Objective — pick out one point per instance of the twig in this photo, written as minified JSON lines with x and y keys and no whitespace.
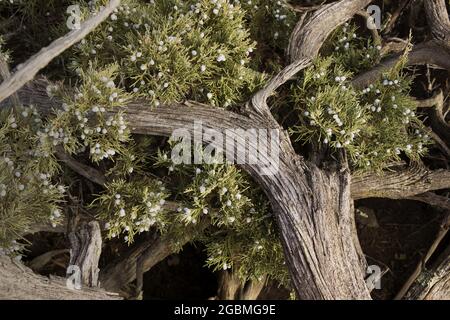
{"x":80,"y":168}
{"x":396,"y":15}
{"x":436,"y":100}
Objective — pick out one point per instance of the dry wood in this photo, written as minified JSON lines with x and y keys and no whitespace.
{"x":433,"y":283}
{"x":80,"y":168}
{"x":165,"y":119}
{"x":431,"y":52}
{"x":86,"y":247}
{"x":399,"y":184}
{"x":38,"y":263}
{"x":438,"y":20}
{"x":424,"y":278}
{"x":232,"y":288}
{"x":18,"y":282}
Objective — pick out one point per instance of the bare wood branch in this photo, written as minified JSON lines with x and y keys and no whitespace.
{"x":80,"y":168}
{"x":304,"y":45}
{"x":397,"y":13}
{"x":399,"y":184}
{"x":163,"y":120}
{"x":38,"y":263}
{"x":86,"y":247}
{"x":300,"y":8}
{"x":232,"y":288}
{"x":440,"y":143}
{"x":436,"y":100}
{"x":374,"y":31}
{"x":432,"y":283}
{"x":32,"y":66}
{"x":438,"y":20}
{"x":20,"y":282}
{"x":123,"y":271}
{"x":430,"y":52}
{"x":432,"y":199}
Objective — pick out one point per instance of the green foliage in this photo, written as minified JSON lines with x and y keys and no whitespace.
{"x":352,"y":52}
{"x":28,"y":191}
{"x":270,"y":22}
{"x":84,"y":121}
{"x":375,"y":125}
{"x":132,"y":207}
{"x":243,"y":234}
{"x":171,"y":50}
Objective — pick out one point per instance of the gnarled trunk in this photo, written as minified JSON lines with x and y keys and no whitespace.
{"x":316,"y":220}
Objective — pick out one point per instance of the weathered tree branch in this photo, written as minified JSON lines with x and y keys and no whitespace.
{"x":38,"y":263}
{"x":165,"y":119}
{"x":431,"y":52}
{"x":80,"y":168}
{"x":231,"y":287}
{"x":433,"y":283}
{"x":438,"y":20}
{"x":399,"y":184}
{"x":421,"y":281}
{"x":434,"y":52}
{"x":86,"y":247}
{"x":32,"y":66}
{"x":433,"y":200}
{"x":21,"y":283}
